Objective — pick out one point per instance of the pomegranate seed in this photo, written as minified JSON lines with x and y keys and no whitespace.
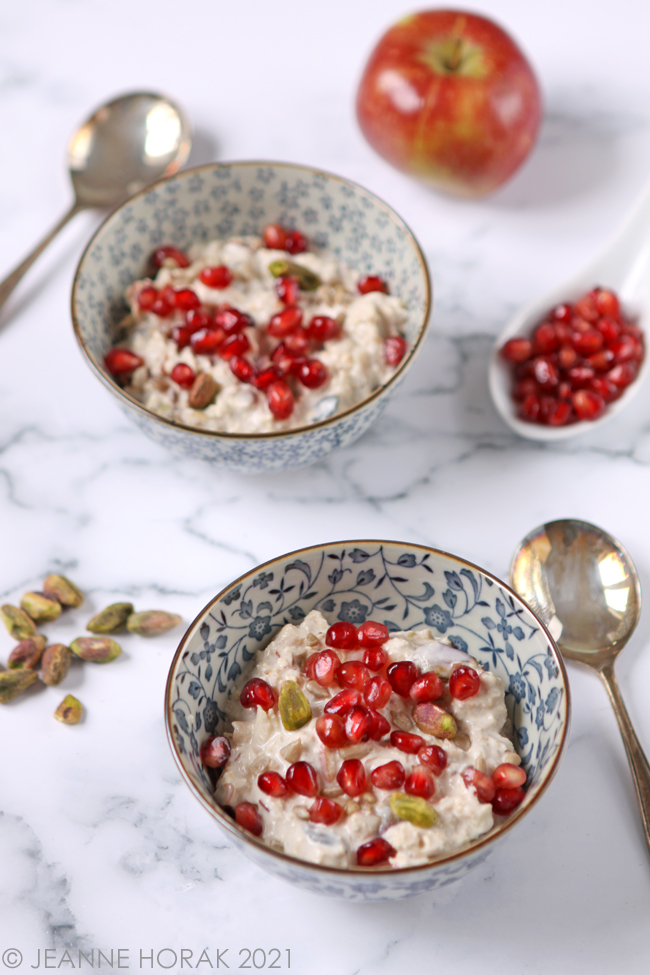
{"x":586,"y":308}
{"x":601,"y":361}
{"x":322,"y":329}
{"x":297,"y":342}
{"x":508,"y":776}
{"x":146,"y":298}
{"x":623,"y":374}
{"x":464,"y":682}
{"x":169,"y":295}
{"x":302,"y":778}
{"x":196,"y":320}
{"x":264,"y":379}
{"x":420,"y":783}
{"x":206,"y":341}
{"x":604,"y":388}
{"x":627,"y":348}
{"x":287,"y":289}
{"x":215,"y":751}
{"x":374,"y":852}
{"x":635,"y":332}
{"x":325,"y":811}
{"x":295,"y":243}
{"x":371,"y":634}
{"x":567,"y":357}
{"x":562,"y":313}
{"x":216,"y":277}
{"x":371,"y":282}
{"x":526,"y":387}
{"x":170,"y":256}
{"x":428,"y":687}
{"x":325,"y":667}
{"x":394,"y":349}
{"x":162,"y":307}
{"x":275,"y":236}
{"x":564,"y":390}
{"x":233,"y":345}
{"x":330,"y":728}
{"x":379,"y":727}
{"x":273,"y":784}
{"x":377,"y":692}
{"x":561,"y":414}
{"x":257,"y":693}
{"x":480,"y":782}
{"x":434,"y":758}
{"x":530,"y":408}
{"x":581,"y":325}
{"x":342,"y":636}
{"x":587,"y":343}
{"x":402,"y":676}
{"x":181,"y":336}
{"x":388,"y":777}
{"x":375,"y":658}
{"x":285,"y":321}
{"x":609,"y":330}
{"x":564,"y":332}
{"x":280,"y":399}
{"x":406,"y":742}
{"x":353,"y":674}
{"x":120,"y":362}
{"x":352,"y":777}
{"x":343,"y":702}
{"x":546,"y":338}
{"x":248,"y":818}
{"x":241,"y":368}
{"x":231,"y":320}
{"x":505,"y":800}
{"x":183,"y":375}
{"x":313,"y":373}
{"x":287,"y":363}
{"x":580,"y":376}
{"x":588,"y":405}
{"x":358,"y":724}
{"x":517,"y":350}
{"x":606,"y":303}
{"x":545,"y":372}
{"x":186,"y":299}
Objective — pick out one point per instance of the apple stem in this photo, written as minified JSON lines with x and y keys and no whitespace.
{"x":456,"y":54}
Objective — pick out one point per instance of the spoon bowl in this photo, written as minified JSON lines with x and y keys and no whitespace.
{"x":583,"y":585}
{"x":624,"y":267}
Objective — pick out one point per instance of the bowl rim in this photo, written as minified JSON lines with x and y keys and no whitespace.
{"x":227,"y":823}
{"x":117,"y":391}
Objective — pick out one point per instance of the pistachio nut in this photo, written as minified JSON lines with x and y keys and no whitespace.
{"x":69,"y":710}
{"x":152,"y":622}
{"x":40,"y":607}
{"x":27,"y":653}
{"x":434,"y":720}
{"x":111,"y":619}
{"x":15,"y":682}
{"x":58,"y":587}
{"x":414,"y":809}
{"x":55,"y":664}
{"x":307,"y":280}
{"x":293,"y":706}
{"x":203,"y":391}
{"x":18,"y":623}
{"x":97,"y":649}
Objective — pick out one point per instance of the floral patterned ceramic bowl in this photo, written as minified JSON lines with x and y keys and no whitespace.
{"x":220,"y":200}
{"x":404,"y":586}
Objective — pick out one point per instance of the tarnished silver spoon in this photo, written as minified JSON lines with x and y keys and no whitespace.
{"x":583,"y":585}
{"x":125,"y":145}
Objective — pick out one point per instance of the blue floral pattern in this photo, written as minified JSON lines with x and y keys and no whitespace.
{"x":403,"y":586}
{"x":220,"y":200}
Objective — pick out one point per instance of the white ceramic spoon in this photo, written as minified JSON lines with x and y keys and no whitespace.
{"x":624,"y":266}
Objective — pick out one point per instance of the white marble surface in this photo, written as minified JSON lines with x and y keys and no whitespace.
{"x":101,"y":844}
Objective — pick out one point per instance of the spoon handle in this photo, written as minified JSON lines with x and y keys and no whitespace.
{"x":635,"y":754}
{"x":12,"y":279}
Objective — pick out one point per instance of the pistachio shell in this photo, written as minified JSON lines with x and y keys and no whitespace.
{"x":15,"y":682}
{"x":58,"y":587}
{"x":307,"y":280}
{"x":55,"y":664}
{"x":203,"y":391}
{"x":293,"y":706}
{"x":18,"y":623}
{"x":152,"y":622}
{"x":40,"y":607}
{"x":414,"y":809}
{"x":69,"y":710}
{"x":111,"y":619}
{"x":97,"y":649}
{"x":27,"y":653}
{"x":434,"y":720}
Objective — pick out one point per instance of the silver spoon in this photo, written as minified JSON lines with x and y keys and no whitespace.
{"x":583,"y":585}
{"x":125,"y":145}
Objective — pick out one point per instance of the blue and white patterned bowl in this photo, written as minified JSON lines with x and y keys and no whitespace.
{"x":404,"y":586}
{"x":240,"y":198}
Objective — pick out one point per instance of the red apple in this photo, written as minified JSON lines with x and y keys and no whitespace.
{"x":448,"y":97}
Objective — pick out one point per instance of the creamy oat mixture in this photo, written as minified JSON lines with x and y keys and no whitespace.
{"x":261,"y":743}
{"x":356,"y":362}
